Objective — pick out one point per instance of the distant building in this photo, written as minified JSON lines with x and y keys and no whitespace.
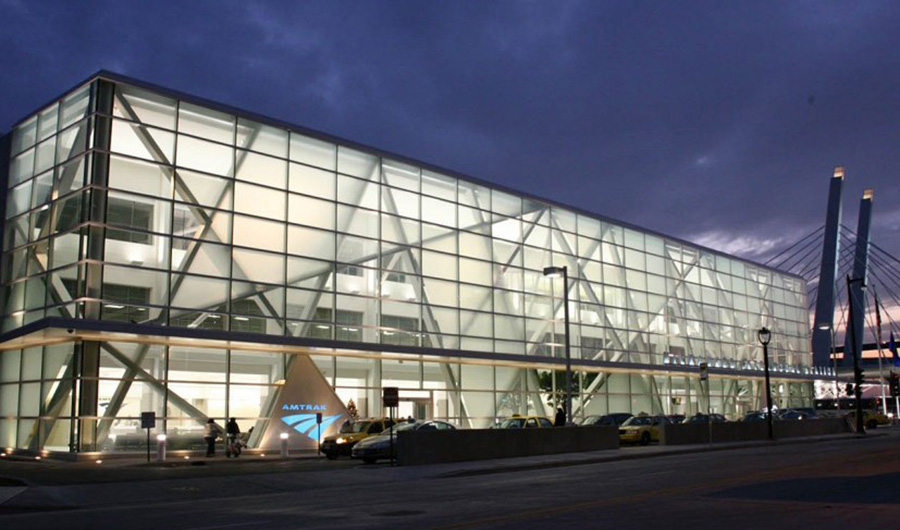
{"x":166,"y":254}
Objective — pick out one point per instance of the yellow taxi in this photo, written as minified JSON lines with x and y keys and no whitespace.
{"x":524,"y":422}
{"x":871,"y":418}
{"x":342,"y":443}
{"x":641,"y":429}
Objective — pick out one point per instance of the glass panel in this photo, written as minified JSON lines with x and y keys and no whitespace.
{"x":261,"y":169}
{"x":25,"y":135}
{"x":474,"y":195}
{"x":357,"y":221}
{"x":134,"y":287}
{"x":262,"y":138}
{"x":21,"y":168}
{"x":29,"y":400}
{"x":74,"y":107}
{"x":257,"y":233}
{"x":128,"y":247}
{"x":438,"y":185}
{"x":198,"y":292}
{"x":145,"y":107}
{"x":42,"y":190}
{"x":258,"y":266}
{"x":313,"y":152}
{"x":139,"y":177}
{"x":204,"y":190}
{"x":46,"y":153}
{"x":438,"y":212}
{"x":66,"y":213}
{"x":142,"y":142}
{"x":357,"y":163}
{"x":9,"y":366}
{"x":19,"y":199}
{"x":358,"y":192}
{"x":310,"y":242}
{"x":311,"y":212}
{"x":309,"y":273}
{"x":200,"y":223}
{"x":72,"y":141}
{"x":70,"y":176}
{"x":15,"y":232}
{"x":206,"y":123}
{"x":257,"y":300}
{"x":439,"y":265}
{"x":260,"y":201}
{"x":400,"y":202}
{"x":57,"y":359}
{"x":312,"y":181}
{"x":205,"y":156}
{"x":400,"y":175}
{"x":200,"y":257}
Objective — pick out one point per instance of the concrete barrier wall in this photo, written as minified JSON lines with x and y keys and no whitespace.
{"x":690,"y":433}
{"x":434,"y":447}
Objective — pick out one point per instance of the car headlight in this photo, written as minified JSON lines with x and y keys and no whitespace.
{"x":341,"y":440}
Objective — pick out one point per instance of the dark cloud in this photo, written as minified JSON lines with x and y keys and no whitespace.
{"x":718,"y":122}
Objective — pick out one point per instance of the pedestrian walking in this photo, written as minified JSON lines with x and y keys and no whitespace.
{"x":560,"y":420}
{"x":233,"y":433}
{"x":211,"y":432}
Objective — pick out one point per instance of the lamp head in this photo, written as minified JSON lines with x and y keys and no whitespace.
{"x":554,"y":272}
{"x":764,"y":336}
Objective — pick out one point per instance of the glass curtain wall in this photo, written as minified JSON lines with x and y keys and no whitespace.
{"x":216,"y":221}
{"x":184,"y":386}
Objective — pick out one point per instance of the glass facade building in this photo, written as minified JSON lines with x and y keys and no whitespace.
{"x":166,"y":254}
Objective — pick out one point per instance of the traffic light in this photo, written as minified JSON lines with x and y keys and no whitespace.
{"x":861,"y":378}
{"x":849,"y":389}
{"x":895,"y":385}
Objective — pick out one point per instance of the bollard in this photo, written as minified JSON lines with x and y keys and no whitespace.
{"x":284,"y":444}
{"x":160,"y":447}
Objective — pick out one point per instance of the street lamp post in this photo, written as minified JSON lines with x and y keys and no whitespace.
{"x":556,"y":272}
{"x":765,"y":336}
{"x":857,"y":374}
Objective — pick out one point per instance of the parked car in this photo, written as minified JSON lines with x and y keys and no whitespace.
{"x":642,"y":429}
{"x":613,"y":419}
{"x":755,"y":416}
{"x":705,"y":418}
{"x":797,"y":414}
{"x":342,"y":443}
{"x":871,"y":419}
{"x":675,"y":418}
{"x":525,"y":422}
{"x":378,"y":447}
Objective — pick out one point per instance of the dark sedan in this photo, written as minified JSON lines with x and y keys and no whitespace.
{"x":378,"y":447}
{"x":705,"y":418}
{"x":614,"y":419}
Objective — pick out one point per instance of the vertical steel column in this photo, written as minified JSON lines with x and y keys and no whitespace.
{"x":95,"y":211}
{"x":5,"y":153}
{"x":856,"y":290}
{"x":824,"y":320}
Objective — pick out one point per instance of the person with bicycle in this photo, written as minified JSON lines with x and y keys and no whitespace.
{"x":233,"y":432}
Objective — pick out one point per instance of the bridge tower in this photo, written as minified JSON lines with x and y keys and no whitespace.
{"x":824,"y":319}
{"x":860,"y":271}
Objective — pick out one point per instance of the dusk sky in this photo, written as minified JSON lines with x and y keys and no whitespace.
{"x":717,"y":122}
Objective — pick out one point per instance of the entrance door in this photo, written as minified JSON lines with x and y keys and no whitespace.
{"x":417,"y":408}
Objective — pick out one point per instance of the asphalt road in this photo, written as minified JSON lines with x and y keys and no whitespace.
{"x":831,"y":484}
